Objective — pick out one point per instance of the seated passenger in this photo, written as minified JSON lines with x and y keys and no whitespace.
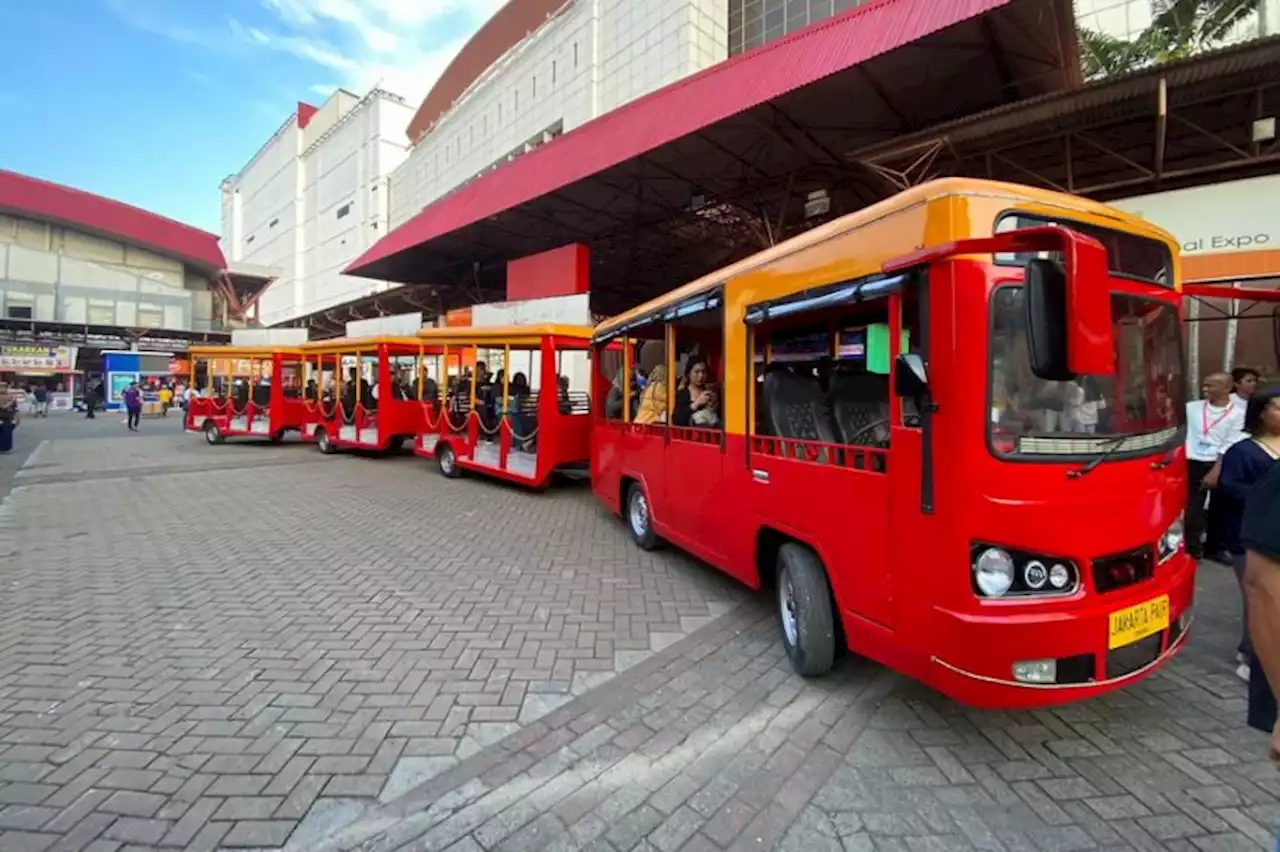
{"x":653,"y":401}
{"x":562,"y":396}
{"x":521,"y":424}
{"x":697,"y":403}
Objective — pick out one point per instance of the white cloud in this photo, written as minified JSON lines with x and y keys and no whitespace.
{"x":401,"y":45}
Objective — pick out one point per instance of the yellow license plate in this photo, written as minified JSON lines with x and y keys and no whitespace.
{"x":1138,"y":622}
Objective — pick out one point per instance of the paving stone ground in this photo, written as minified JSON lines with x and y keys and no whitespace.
{"x":353,"y":653}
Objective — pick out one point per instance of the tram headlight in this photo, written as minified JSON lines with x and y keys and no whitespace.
{"x":1035,"y":575}
{"x":1171,"y":540}
{"x":993,"y":572}
{"x":1059,"y":576}
{"x":1009,"y":572}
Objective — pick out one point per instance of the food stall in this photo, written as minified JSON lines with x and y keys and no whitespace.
{"x":23,"y":365}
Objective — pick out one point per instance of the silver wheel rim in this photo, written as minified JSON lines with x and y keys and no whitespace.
{"x":211,"y":434}
{"x":446,"y":460}
{"x":787,"y":607}
{"x":324,"y":442}
{"x":639,"y":513}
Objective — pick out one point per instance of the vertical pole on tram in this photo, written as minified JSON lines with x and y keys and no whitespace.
{"x":669,"y":359}
{"x":473,"y":417}
{"x":626,"y":379}
{"x":506,"y":435}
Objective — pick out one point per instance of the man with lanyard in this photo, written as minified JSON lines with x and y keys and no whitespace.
{"x":1213,"y":425}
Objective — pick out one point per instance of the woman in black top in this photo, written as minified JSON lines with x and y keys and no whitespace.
{"x":696,"y":403}
{"x":1243,"y":466}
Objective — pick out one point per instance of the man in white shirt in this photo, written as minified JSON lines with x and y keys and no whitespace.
{"x":1214,"y":424}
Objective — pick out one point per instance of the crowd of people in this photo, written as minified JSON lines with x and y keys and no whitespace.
{"x":1233,"y":516}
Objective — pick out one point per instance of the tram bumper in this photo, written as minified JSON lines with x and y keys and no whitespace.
{"x":1053,"y":652}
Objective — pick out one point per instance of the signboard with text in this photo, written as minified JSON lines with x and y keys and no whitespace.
{"x":17,"y":358}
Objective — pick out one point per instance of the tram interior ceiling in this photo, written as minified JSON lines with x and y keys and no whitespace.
{"x":673,"y":207}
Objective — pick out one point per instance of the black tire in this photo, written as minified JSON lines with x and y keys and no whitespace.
{"x":447,"y":461}
{"x":639,"y":517}
{"x":805,"y":619}
{"x":396,"y":444}
{"x":211,"y":434}
{"x":322,"y":441}
{"x":277,"y":436}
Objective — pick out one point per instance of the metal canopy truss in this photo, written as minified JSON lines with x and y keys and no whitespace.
{"x":725,"y":190}
{"x":1181,"y":124}
{"x":1242,"y":302}
{"x":240,"y":292}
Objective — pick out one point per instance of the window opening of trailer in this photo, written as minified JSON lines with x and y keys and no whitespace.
{"x":696,"y":369}
{"x":426,"y":384}
{"x":820,"y":383}
{"x":1128,"y":255}
{"x":291,"y":372}
{"x":573,"y":379}
{"x":638,"y":384}
{"x":518,"y":404}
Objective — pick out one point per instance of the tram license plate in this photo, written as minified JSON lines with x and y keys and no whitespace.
{"x":1138,"y":622}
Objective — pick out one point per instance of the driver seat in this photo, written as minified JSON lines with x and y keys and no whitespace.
{"x":860,"y":404}
{"x":796,"y":408}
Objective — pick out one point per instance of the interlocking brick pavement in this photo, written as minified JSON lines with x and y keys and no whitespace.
{"x":355,"y":654}
{"x":229,"y":646}
{"x":716,"y":745}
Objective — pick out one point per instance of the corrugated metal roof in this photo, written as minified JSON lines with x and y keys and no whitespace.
{"x":45,"y":201}
{"x":680,"y":109}
{"x":1108,"y":96}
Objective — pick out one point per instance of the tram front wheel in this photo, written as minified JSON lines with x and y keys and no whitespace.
{"x":326,"y":446}
{"x":211,"y":433}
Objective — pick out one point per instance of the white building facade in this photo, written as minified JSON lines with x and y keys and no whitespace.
{"x":581,"y":60}
{"x":587,"y":59}
{"x":313,"y":198}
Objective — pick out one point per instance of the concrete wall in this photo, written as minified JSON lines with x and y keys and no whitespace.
{"x":314,"y":198}
{"x":269,"y":337}
{"x":66,"y":275}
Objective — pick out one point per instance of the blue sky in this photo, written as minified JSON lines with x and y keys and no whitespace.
{"x":154,"y":102}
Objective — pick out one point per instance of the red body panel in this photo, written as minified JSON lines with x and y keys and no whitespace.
{"x":900,"y":574}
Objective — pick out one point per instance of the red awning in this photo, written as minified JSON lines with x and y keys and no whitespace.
{"x":726,"y":90}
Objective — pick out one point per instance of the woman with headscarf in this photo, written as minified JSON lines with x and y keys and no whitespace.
{"x":653,"y":402}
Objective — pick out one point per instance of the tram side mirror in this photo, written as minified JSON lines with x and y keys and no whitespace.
{"x":911,"y":377}
{"x":1046,"y":305}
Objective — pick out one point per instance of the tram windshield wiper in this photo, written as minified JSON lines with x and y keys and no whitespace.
{"x":1167,"y":459}
{"x":1108,"y":449}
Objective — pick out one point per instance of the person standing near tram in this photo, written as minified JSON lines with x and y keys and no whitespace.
{"x":1214,"y":424}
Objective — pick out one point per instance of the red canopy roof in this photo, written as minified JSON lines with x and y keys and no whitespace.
{"x":692,"y":105}
{"x":52,"y":202}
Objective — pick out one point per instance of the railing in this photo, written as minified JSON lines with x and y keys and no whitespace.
{"x":845,"y":456}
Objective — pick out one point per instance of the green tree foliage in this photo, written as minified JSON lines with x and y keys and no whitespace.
{"x":1179,"y":28}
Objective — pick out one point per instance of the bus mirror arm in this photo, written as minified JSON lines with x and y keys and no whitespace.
{"x":1081,"y":315}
